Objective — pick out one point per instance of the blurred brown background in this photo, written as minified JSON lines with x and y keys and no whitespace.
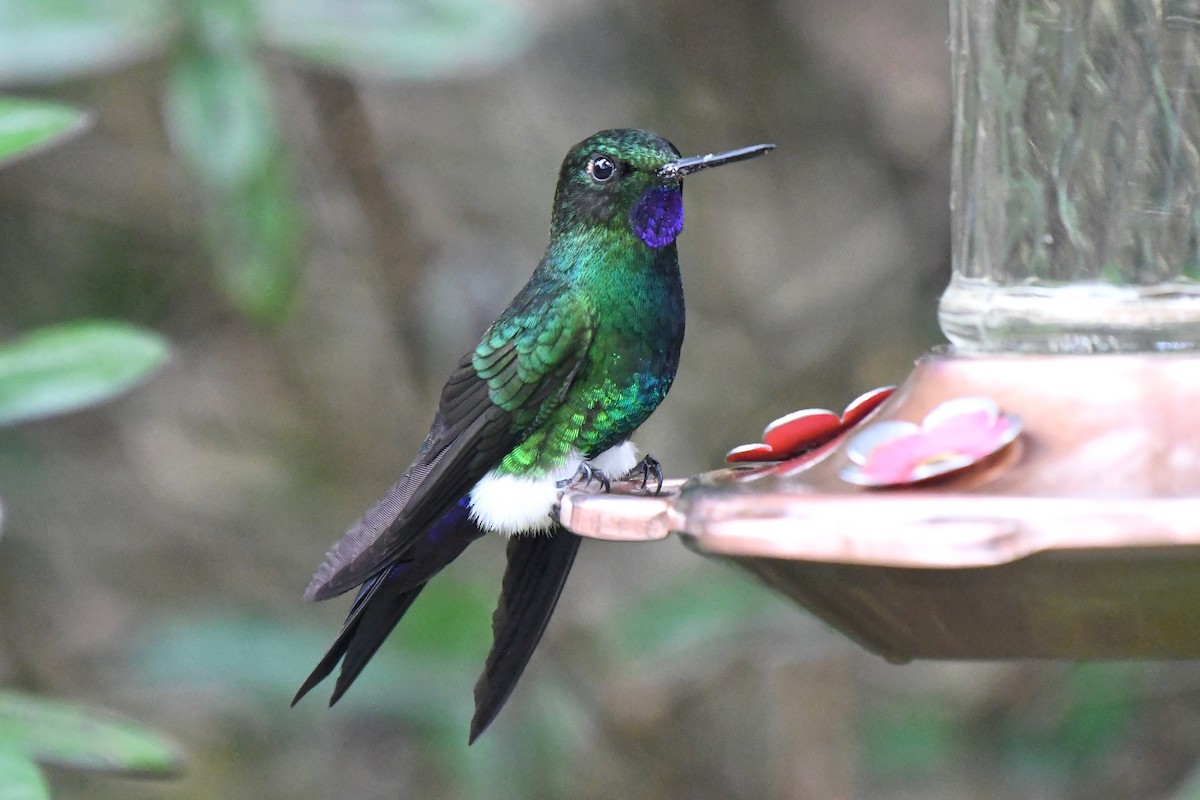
{"x":156,"y":549}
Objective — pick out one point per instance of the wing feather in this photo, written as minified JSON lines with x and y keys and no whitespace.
{"x":499,"y":393}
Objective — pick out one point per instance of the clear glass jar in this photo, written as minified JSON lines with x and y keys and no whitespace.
{"x":1076,"y":185}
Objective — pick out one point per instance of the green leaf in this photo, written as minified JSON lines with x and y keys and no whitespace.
{"x":219,"y":117}
{"x":401,"y":38}
{"x":20,"y":778}
{"x":51,"y":40}
{"x":255,"y":237}
{"x":55,"y":732}
{"x":67,"y":367}
{"x":27,"y":126}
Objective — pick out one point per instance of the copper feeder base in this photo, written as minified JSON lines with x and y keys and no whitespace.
{"x":1081,"y":540}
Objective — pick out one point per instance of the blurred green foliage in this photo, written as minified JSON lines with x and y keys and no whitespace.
{"x":218,"y":102}
{"x":71,"y":735}
{"x":265,"y":662}
{"x":414,"y":40}
{"x":47,"y":372}
{"x":685,"y":614}
{"x":420,"y":680}
{"x":45,"y":41}
{"x":52,"y":371}
{"x":27,"y":126}
{"x":20,"y":778}
{"x":58,"y":369}
{"x":218,"y":112}
{"x":1064,"y":729}
{"x":1080,"y":727}
{"x":911,"y":741}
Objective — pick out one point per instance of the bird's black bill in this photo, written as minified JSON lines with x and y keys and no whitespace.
{"x":686,"y":166}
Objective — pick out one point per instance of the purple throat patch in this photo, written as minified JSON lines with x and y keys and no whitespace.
{"x":658,"y":216}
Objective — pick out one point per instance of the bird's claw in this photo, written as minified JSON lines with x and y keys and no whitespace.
{"x":645,"y":468}
{"x":585,"y":475}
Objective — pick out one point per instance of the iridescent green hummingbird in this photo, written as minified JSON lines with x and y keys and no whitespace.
{"x":550,"y":396}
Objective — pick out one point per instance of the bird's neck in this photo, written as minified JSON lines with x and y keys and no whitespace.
{"x":614,"y":264}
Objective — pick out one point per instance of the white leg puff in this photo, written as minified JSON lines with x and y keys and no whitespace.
{"x":511,"y":504}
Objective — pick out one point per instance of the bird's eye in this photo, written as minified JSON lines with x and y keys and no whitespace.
{"x":601,"y":168}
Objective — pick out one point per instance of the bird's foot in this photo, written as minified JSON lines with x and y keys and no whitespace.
{"x":584,"y":477}
{"x":645,"y":468}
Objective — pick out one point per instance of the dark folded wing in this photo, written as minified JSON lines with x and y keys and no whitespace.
{"x":383,"y":600}
{"x":499,"y":393}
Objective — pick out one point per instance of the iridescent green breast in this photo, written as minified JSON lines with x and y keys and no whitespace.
{"x":635,"y":300}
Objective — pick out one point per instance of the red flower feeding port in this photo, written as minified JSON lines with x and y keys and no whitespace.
{"x":803,"y":433}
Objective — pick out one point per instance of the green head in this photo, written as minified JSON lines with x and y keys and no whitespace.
{"x":629,"y":182}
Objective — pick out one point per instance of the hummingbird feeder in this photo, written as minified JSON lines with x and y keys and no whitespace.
{"x":1032,"y":490}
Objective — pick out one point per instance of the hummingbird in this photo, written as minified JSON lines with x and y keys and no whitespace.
{"x":548,"y":398}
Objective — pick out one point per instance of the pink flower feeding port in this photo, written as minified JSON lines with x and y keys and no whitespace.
{"x":956,"y":435}
{"x":1032,"y":491}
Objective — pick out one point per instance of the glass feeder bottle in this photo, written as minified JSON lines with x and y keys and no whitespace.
{"x":1076,"y":176}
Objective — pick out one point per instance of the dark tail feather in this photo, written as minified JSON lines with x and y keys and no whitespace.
{"x":377,"y":621}
{"x":537,"y":569}
{"x":384,"y":599}
{"x":350,"y":628}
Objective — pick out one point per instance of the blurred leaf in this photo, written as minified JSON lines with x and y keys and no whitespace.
{"x":50,"y":40}
{"x":219,"y":117}
{"x":67,"y":367}
{"x":1091,"y":714}
{"x":257,"y":663}
{"x":690,"y":611}
{"x":423,"y":673}
{"x":27,"y":126}
{"x":237,"y":653}
{"x":254,"y":237}
{"x":20,"y":778}
{"x":1188,"y":789}
{"x":913,"y":741}
{"x":70,"y":735}
{"x":1101,"y":711}
{"x":221,"y":24}
{"x":397,"y":38}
